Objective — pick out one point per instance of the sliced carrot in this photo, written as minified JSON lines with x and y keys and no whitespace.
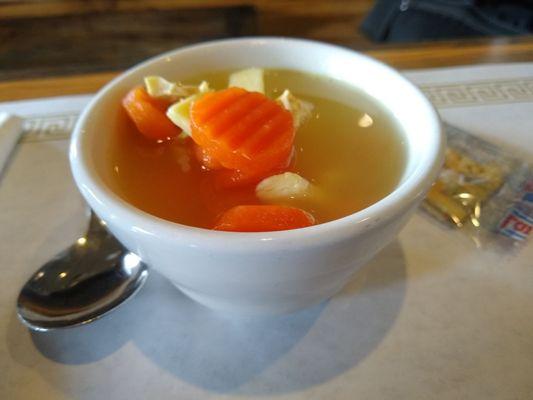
{"x":148,"y":114}
{"x":205,"y":159}
{"x":243,"y":130}
{"x":263,"y":218}
{"x":230,"y":178}
{"x":225,"y":178}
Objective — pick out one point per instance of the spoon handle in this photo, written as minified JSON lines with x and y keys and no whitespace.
{"x":10,"y":130}
{"x":96,"y":225}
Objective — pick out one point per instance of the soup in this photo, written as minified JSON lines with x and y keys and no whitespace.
{"x":349,"y":153}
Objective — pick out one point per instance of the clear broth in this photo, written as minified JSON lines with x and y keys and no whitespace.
{"x":351,"y":149}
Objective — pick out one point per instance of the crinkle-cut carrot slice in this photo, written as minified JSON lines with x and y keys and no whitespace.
{"x":225,"y":178}
{"x":148,"y":114}
{"x":242,"y":130}
{"x":205,"y":159}
{"x":231,"y":178}
{"x":263,"y":218}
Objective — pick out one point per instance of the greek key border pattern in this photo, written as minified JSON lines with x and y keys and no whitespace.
{"x":480,"y":93}
{"x":48,"y":127}
{"x":59,"y":126}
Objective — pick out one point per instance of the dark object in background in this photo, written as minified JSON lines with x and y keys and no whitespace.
{"x":416,"y":20}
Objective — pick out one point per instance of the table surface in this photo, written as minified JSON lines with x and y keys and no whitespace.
{"x":431,"y":317}
{"x":412,"y":56}
{"x":454,"y":321}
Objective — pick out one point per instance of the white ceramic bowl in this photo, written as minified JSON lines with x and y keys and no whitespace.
{"x":271,"y":271}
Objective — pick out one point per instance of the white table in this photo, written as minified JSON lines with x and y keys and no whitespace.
{"x":432,"y":317}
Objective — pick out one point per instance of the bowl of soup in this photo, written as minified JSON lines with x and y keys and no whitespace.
{"x":258,"y":174}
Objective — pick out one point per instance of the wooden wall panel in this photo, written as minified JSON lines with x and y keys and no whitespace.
{"x":47,"y":38}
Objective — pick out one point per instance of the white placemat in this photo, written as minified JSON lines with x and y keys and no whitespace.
{"x":431,"y":317}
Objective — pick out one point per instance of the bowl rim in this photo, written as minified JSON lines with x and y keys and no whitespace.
{"x":111,"y":206}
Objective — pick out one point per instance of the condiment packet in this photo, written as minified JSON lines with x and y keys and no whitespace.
{"x":484,"y":190}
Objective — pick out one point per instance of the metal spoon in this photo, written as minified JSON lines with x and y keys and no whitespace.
{"x":82,"y":283}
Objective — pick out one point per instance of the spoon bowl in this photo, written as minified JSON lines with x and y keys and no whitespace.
{"x":82,"y":283}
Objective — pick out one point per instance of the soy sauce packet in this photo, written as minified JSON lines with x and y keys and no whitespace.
{"x":484,"y":190}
